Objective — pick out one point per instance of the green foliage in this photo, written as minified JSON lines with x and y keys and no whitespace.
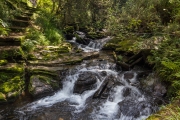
{"x":3,"y":28}
{"x":54,"y":36}
{"x":169,"y":112}
{"x":49,"y":33}
{"x":27,"y":45}
{"x":135,"y":16}
{"x":167,"y":64}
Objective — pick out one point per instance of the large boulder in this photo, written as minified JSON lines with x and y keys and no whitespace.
{"x":86,"y":81}
{"x":40,"y":86}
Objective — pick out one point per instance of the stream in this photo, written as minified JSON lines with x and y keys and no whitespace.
{"x":94,"y":90}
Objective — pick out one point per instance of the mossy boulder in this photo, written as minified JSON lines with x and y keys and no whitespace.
{"x":43,"y":81}
{"x":42,"y":85}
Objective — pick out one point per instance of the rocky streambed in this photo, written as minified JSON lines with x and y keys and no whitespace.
{"x":94,"y":88}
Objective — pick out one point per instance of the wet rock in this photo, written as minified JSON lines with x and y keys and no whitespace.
{"x":143,"y":74}
{"x":126,"y":92}
{"x":86,"y":81}
{"x":103,"y":91}
{"x":134,"y":108}
{"x":159,"y":92}
{"x":103,"y":73}
{"x":124,"y":66}
{"x":81,"y":38}
{"x":127,"y":108}
{"x":39,"y":88}
{"x":128,"y":75}
{"x":91,"y":56}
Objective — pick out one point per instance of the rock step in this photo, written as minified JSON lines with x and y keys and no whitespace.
{"x":16,"y":34}
{"x":10,"y":41}
{"x":19,"y":23}
{"x":9,"y":66}
{"x":67,"y":59}
{"x":27,"y":14}
{"x":31,"y":9}
{"x":11,"y":53}
{"x":7,"y":48}
{"x":24,"y":18}
{"x":17,"y":29}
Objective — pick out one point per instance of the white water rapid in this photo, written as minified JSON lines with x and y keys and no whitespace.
{"x":107,"y":109}
{"x":94,"y":45}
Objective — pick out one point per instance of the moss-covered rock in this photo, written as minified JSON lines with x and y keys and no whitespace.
{"x":2,"y":97}
{"x":42,"y":85}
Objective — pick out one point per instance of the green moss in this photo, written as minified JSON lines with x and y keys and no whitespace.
{"x":125,"y":45}
{"x":16,"y":69}
{"x":113,"y":43}
{"x":13,"y":68}
{"x":11,"y":96}
{"x":10,"y":71}
{"x":48,"y":80}
{"x":95,"y":35}
{"x":12,"y":53}
{"x":2,"y":97}
{"x":43,"y":72}
{"x":14,"y":84}
{"x":169,"y":112}
{"x":3,"y":62}
{"x":72,"y":62}
{"x":5,"y":76}
{"x":68,"y":29}
{"x":44,"y":79}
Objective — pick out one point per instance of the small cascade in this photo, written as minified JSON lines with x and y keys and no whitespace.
{"x":124,"y":101}
{"x":94,"y":45}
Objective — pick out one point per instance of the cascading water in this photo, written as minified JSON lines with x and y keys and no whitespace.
{"x":94,"y":45}
{"x":94,"y":90}
{"x":124,"y":101}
